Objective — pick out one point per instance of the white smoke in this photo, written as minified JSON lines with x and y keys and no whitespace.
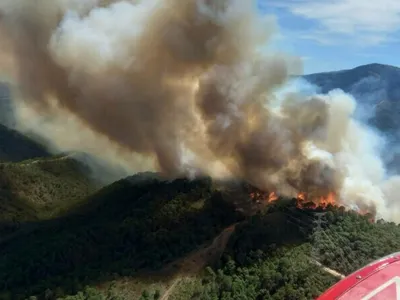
{"x":354,"y":150}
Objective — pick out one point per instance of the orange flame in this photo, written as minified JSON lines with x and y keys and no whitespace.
{"x":301,"y":196}
{"x":329,"y":199}
{"x":306,"y":201}
{"x":323,"y":202}
{"x":303,"y":200}
{"x":264,"y":197}
{"x":272,"y":197}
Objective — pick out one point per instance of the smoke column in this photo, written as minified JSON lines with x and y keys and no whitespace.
{"x":186,"y":88}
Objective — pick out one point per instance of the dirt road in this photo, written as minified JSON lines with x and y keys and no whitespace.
{"x":328,"y":270}
{"x":196,"y":261}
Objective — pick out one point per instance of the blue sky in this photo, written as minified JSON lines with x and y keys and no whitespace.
{"x":337,"y":34}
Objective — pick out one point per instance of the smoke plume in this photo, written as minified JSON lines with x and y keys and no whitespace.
{"x":186,"y":88}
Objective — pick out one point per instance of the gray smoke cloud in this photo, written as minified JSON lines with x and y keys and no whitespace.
{"x":186,"y":88}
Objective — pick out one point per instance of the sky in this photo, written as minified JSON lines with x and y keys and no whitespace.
{"x":337,"y":34}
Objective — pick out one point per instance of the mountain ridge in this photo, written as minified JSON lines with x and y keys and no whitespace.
{"x":361,"y":80}
{"x":369,"y":65}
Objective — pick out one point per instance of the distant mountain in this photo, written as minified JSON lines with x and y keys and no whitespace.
{"x":376,"y":87}
{"x":366,"y":79}
{"x":14,"y":146}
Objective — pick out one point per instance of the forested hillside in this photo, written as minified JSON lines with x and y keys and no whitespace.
{"x":144,"y":238}
{"x":40,"y":189}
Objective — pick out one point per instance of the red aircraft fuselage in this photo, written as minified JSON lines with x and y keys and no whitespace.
{"x":379,"y":280}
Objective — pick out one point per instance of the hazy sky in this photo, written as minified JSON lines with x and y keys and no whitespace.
{"x":337,"y":34}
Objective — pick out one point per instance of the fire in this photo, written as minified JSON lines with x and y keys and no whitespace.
{"x":301,"y":196}
{"x":305,"y":201}
{"x":322,"y":202}
{"x":264,"y":197}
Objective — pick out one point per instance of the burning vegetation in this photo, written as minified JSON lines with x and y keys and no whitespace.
{"x":303,"y":200}
{"x":306,"y":201}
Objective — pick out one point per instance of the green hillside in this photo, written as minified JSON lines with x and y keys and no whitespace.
{"x":263,"y":261}
{"x":39,"y":189}
{"x":144,"y":238}
{"x":130,"y":227}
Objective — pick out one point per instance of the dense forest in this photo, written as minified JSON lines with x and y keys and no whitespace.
{"x":139,"y":237}
{"x":125,"y":228}
{"x":266,"y":261}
